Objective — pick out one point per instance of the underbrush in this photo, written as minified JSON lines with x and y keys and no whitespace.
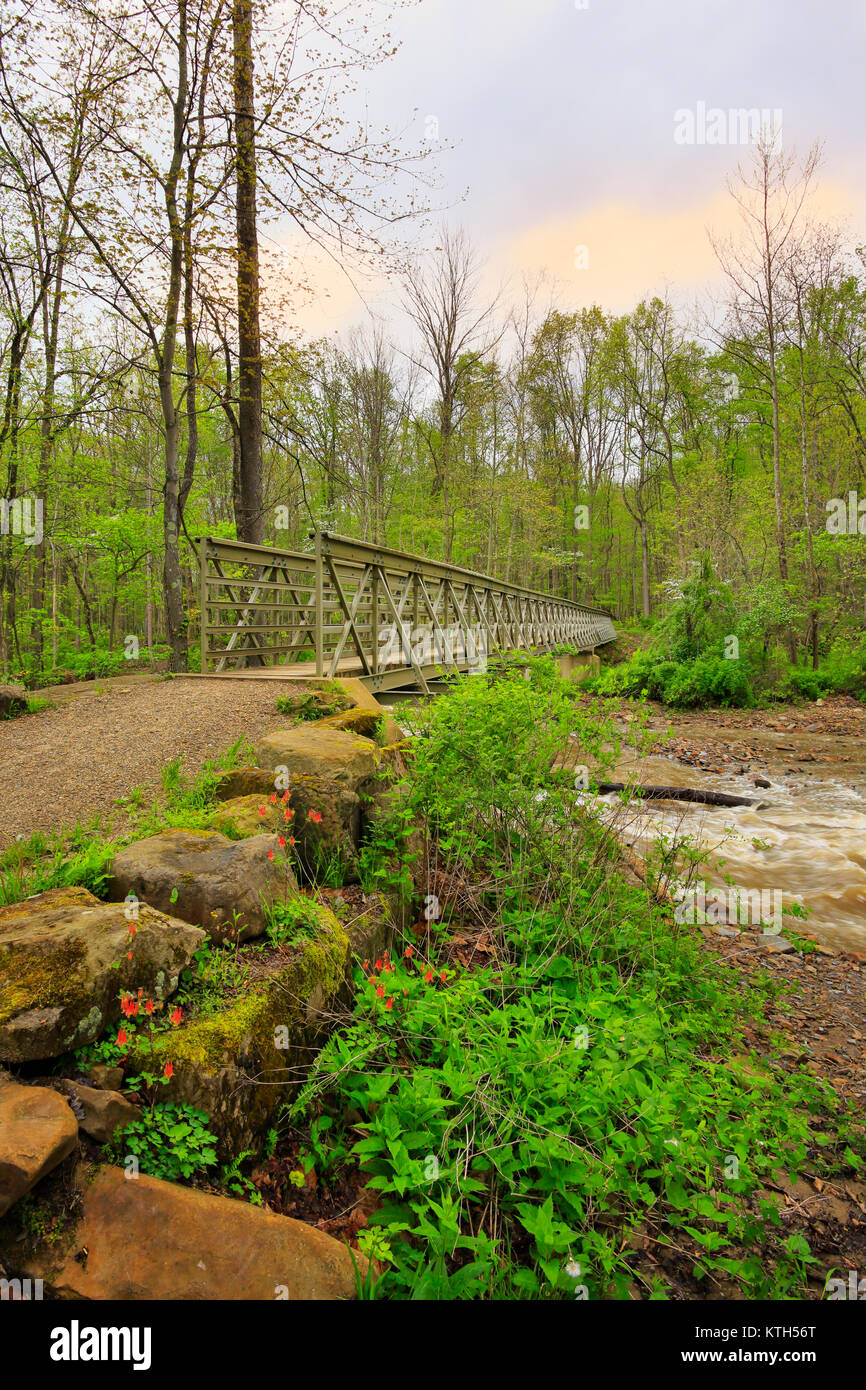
{"x":529,"y":1123}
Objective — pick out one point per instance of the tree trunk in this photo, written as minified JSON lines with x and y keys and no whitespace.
{"x":250,"y":518}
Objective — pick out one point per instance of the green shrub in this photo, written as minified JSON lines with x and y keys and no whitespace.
{"x":170,"y":1141}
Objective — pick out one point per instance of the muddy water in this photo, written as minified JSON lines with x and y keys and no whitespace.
{"x":808,"y":840}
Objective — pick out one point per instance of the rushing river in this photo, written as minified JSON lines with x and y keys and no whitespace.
{"x":808,"y":840}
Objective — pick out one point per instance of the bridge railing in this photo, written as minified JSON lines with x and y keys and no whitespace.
{"x":396,"y":618}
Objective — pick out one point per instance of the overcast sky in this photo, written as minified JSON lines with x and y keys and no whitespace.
{"x":563,"y":119}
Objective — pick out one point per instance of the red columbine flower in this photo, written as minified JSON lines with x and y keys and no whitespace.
{"x":141,"y":992}
{"x":175,"y":1018}
{"x":129,"y":955}
{"x":366,"y":966}
{"x":381,"y":992}
{"x":168,"y":1070}
{"x":148,"y":1008}
{"x":288,"y":813}
{"x":285,"y":796}
{"x":121,"y":1038}
{"x":263,"y":810}
{"x":291,"y":839}
{"x":378,"y":965}
{"x":429,"y":976}
{"x":389,"y":1004}
{"x":132,"y":929}
{"x":125,"y":1004}
{"x":273,"y":798}
{"x":408,"y":953}
{"x":315,"y":816}
{"x":270,"y":854}
{"x":281,"y":842}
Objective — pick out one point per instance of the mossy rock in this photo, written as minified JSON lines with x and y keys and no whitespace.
{"x":242,"y":816}
{"x":240,"y":1063}
{"x":65,"y":958}
{"x":354,"y":721}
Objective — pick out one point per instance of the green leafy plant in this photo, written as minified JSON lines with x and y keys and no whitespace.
{"x":172,"y":1141}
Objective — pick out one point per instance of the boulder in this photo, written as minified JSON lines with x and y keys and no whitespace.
{"x":65,"y":960}
{"x":317,"y":751}
{"x":324,"y":820}
{"x":326,"y":825}
{"x":106,"y":1078}
{"x":221,"y":885}
{"x":148,"y":1240}
{"x":354,"y":721}
{"x":245,"y":781}
{"x":99,"y":1113}
{"x":37,"y":1131}
{"x":239,"y":1063}
{"x":13,"y":700}
{"x":241,"y":816}
{"x":362,"y":698}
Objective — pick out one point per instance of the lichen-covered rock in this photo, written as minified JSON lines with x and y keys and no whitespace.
{"x":13,"y":700}
{"x":317,"y":751}
{"x":37,"y":1131}
{"x":239,"y":1063}
{"x":221,"y":885}
{"x":99,"y":1113}
{"x":65,"y":959}
{"x":151,"y":1240}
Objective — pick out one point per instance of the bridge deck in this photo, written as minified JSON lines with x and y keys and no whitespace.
{"x":351,"y":608}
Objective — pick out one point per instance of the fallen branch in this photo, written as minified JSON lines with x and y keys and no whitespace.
{"x":704,"y":798}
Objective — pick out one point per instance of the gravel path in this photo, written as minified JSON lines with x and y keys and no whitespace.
{"x":66,"y":765}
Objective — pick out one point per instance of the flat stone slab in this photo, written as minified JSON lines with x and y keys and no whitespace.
{"x":37,"y":1131}
{"x":147,"y":1239}
{"x":220,"y":885}
{"x":65,"y":959}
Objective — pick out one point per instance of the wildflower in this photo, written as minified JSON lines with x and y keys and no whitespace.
{"x":442,"y":977}
{"x":288,"y":813}
{"x":282,"y":842}
{"x":408,"y":953}
{"x":315,"y":817}
{"x":366,"y":966}
{"x":129,"y":955}
{"x":168,"y":1070}
{"x":405,"y":991}
{"x":389,"y":1004}
{"x":148,"y":1008}
{"x":381,"y":992}
{"x":291,"y":839}
{"x":273,"y":798}
{"x":132,"y":929}
{"x":121,"y":1038}
{"x":263,"y":810}
{"x":378,"y":965}
{"x":175,"y":1018}
{"x":270,"y":854}
{"x":141,"y":992}
{"x":429,"y":976}
{"x":284,"y":798}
